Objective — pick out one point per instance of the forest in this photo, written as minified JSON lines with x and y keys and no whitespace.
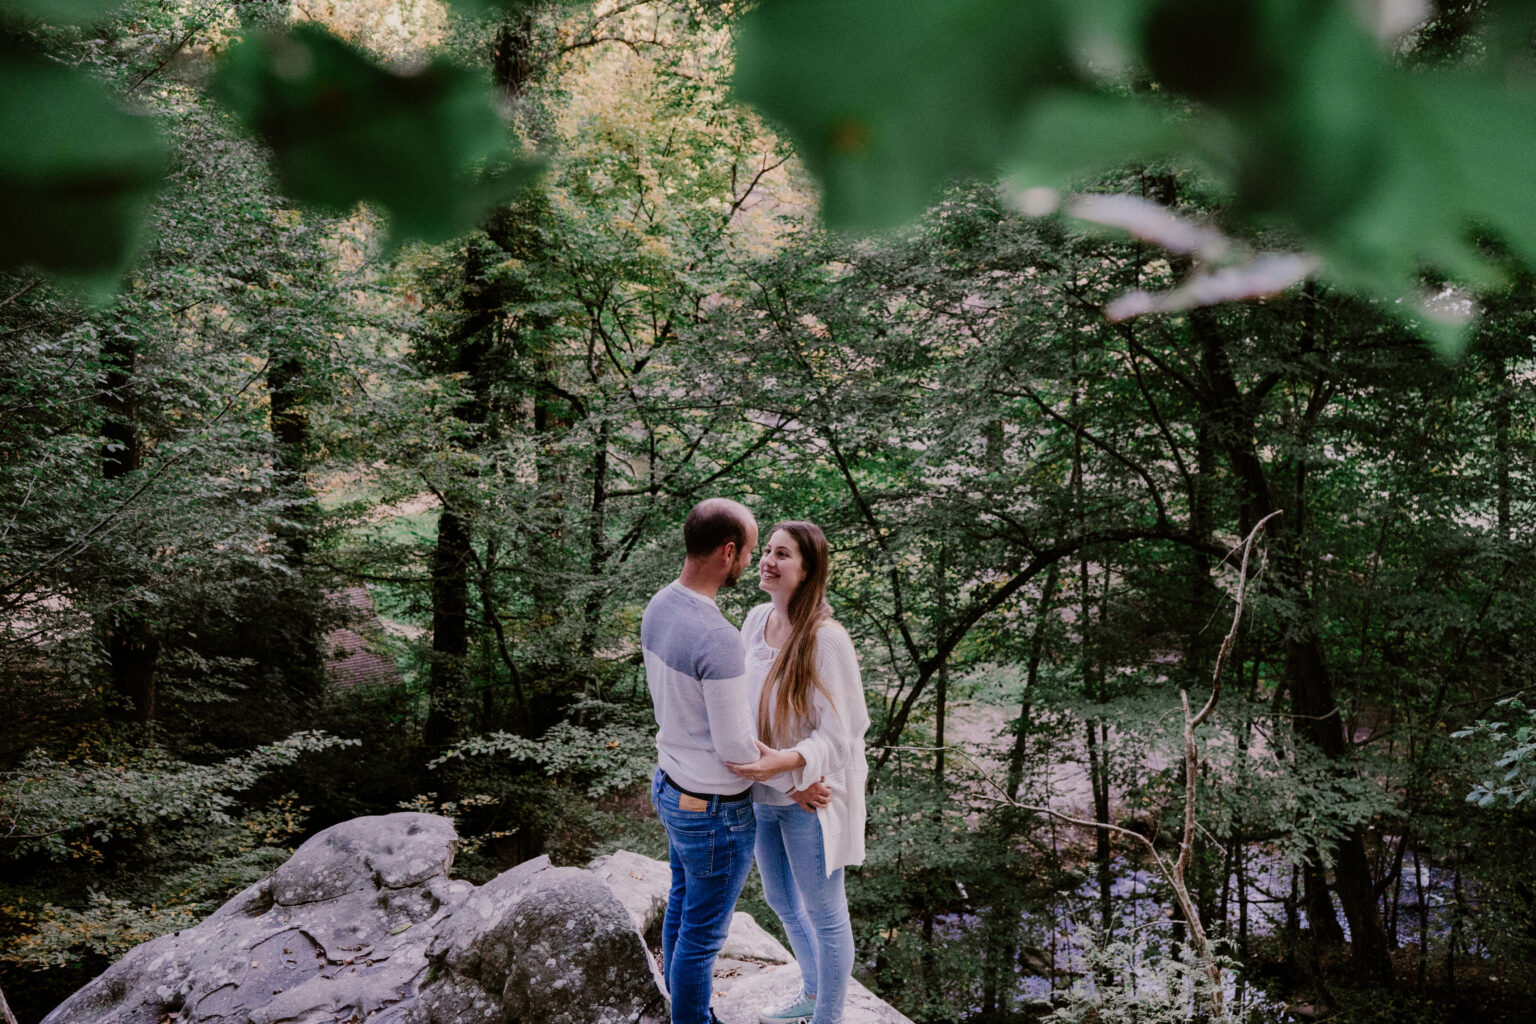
{"x":1163,"y":376}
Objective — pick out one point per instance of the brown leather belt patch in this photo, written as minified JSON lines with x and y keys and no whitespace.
{"x":691,"y":803}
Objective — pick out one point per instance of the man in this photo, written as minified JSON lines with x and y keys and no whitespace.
{"x":696,"y":669}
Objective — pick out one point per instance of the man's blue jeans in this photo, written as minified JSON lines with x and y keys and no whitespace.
{"x":812,"y":905}
{"x":711,"y":854}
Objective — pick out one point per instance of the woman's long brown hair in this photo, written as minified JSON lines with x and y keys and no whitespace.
{"x":792,"y":677}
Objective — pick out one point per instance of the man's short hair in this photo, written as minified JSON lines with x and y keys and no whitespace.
{"x":711,"y":525}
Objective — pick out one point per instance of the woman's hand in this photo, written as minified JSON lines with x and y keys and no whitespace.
{"x":817,"y":794}
{"x":771,"y":763}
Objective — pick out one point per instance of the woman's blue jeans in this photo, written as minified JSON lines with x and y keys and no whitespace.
{"x":711,"y":854}
{"x":813,"y":907}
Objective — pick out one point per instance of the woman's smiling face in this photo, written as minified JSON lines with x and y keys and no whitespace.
{"x":780,"y":568}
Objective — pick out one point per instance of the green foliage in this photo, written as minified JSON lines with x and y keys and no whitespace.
{"x":70,"y":809}
{"x":105,"y":927}
{"x":613,"y":757}
{"x":1299,"y":799}
{"x":1518,"y":756}
{"x":1029,"y":506}
{"x":944,"y":909}
{"x":175,"y":883}
{"x":1294,"y":111}
{"x":1298,"y":114}
{"x":888,"y":107}
{"x":115,"y":845}
{"x":427,"y":147}
{"x":961,"y":414}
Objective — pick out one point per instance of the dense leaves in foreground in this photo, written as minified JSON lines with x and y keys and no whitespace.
{"x":291,"y":454}
{"x":1383,"y":137}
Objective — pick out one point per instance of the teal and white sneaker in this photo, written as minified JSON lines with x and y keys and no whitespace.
{"x":800,"y":1007}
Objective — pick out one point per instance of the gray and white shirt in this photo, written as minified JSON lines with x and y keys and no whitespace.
{"x":696,"y":669}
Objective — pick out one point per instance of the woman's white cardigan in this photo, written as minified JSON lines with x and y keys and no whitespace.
{"x":833,"y":746}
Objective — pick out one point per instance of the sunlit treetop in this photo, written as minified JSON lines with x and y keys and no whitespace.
{"x":647,"y":139}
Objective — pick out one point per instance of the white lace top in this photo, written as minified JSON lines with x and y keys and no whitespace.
{"x":832,"y":744}
{"x":759,"y":660}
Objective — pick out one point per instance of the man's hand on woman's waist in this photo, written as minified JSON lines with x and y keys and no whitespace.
{"x":771,"y":762}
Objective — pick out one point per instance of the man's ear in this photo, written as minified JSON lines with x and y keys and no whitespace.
{"x":730,"y":550}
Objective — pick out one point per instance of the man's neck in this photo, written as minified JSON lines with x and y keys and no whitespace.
{"x":699,"y":582}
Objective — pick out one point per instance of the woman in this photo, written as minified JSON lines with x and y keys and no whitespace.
{"x":811,"y":721}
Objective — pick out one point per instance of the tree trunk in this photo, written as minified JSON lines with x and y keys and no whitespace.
{"x":447,"y":700}
{"x":1234,"y":428}
{"x":133,"y":649}
{"x":289,"y":424}
{"x":1096,"y":737}
{"x":448,"y":704}
{"x":597,"y":541}
{"x":299,"y":647}
{"x":1031,"y":678}
{"x":1321,"y":917}
{"x":1093,"y":689}
{"x":489,"y":604}
{"x":1312,"y":698}
{"x":512,"y":57}
{"x":1098,"y":768}
{"x":941,"y":687}
{"x":1502,"y":424}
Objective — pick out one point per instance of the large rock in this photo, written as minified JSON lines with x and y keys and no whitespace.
{"x":363,"y":924}
{"x":640,"y":883}
{"x":558,"y":949}
{"x":339,"y":929}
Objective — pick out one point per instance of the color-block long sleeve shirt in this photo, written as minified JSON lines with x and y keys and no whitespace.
{"x":695,"y":667}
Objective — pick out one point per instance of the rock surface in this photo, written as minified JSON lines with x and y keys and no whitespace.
{"x":364,"y":924}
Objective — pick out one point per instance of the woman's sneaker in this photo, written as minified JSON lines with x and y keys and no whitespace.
{"x":801,"y":1007}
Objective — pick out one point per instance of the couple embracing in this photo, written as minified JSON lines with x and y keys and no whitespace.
{"x":761,"y":744}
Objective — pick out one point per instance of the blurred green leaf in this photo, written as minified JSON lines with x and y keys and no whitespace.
{"x":888,"y":102}
{"x":1295,"y":110}
{"x":1071,"y":134}
{"x":76,"y":171}
{"x":1466,"y":157}
{"x":429,"y":148}
{"x":1309,"y":147}
{"x":60,"y":12}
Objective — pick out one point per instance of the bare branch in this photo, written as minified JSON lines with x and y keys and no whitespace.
{"x":1266,"y":274}
{"x":18,"y":293}
{"x":766,"y":168}
{"x":1152,"y":222}
{"x":1108,"y":449}
{"x":1237,"y":615}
